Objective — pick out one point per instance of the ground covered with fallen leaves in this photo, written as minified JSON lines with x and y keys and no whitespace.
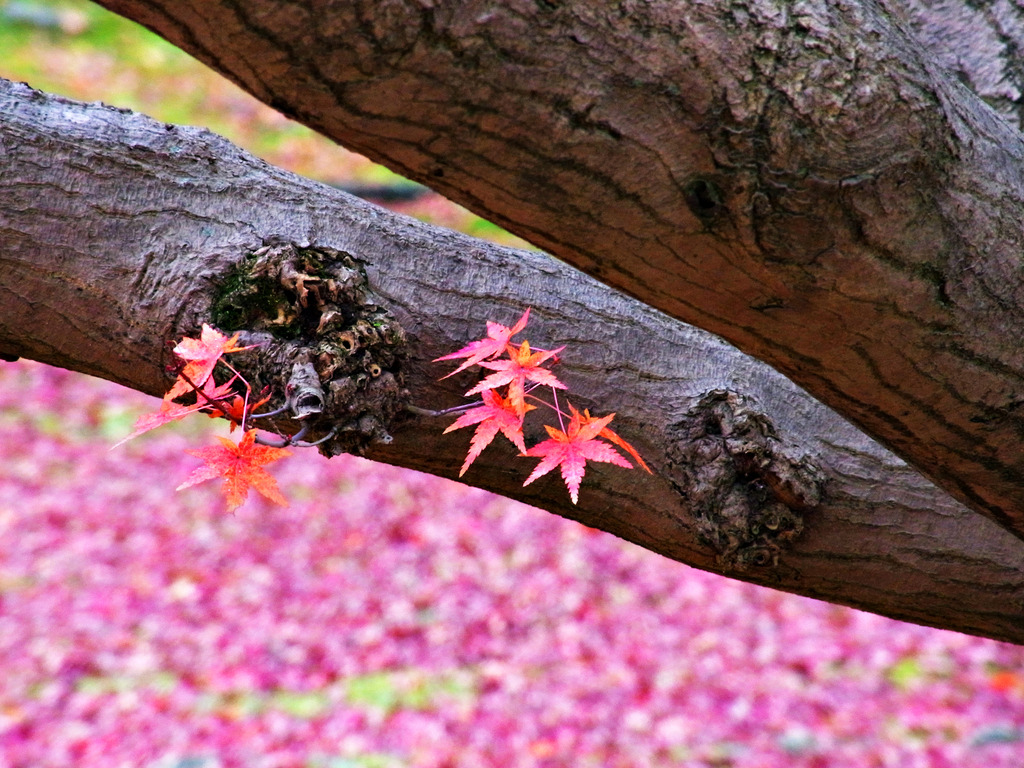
{"x":388,"y":618}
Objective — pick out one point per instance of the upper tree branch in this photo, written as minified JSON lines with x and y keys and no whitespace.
{"x":797,"y":178}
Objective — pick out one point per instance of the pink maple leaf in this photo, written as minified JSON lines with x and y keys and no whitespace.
{"x":498,"y":337}
{"x":570,"y":451}
{"x":612,"y":437}
{"x":201,"y":356}
{"x":521,"y":366}
{"x":171,"y":411}
{"x":495,"y":415}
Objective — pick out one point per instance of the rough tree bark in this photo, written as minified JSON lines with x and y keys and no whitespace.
{"x":119,"y":233}
{"x":803,"y":179}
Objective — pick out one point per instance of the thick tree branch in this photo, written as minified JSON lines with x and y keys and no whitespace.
{"x":117,"y":233}
{"x":800,"y":179}
{"x":979,"y":43}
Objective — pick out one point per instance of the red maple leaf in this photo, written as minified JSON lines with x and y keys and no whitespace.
{"x":570,"y":450}
{"x":611,"y":437}
{"x":235,"y":409}
{"x":170,"y":411}
{"x":241,"y":466}
{"x":201,"y":356}
{"x":496,"y":415}
{"x":498,"y":337}
{"x":522,"y":366}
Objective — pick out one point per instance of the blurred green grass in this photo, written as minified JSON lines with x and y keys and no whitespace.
{"x":385,"y":692}
{"x":77,"y":49}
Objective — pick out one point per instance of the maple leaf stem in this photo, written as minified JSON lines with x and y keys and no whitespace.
{"x":248,"y":389}
{"x":545,"y":403}
{"x":533,"y":348}
{"x":561,"y":422}
{"x":245,"y":403}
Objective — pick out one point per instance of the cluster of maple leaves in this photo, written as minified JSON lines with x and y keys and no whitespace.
{"x":517,"y":372}
{"x":239,"y":464}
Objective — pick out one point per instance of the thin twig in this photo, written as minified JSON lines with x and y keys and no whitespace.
{"x":275,"y":412}
{"x":324,"y":439}
{"x":456,"y":409}
{"x":287,"y":441}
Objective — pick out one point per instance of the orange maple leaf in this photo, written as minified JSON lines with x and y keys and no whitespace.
{"x":496,"y":415}
{"x":522,"y":366}
{"x":201,"y":356}
{"x":241,"y":466}
{"x":498,"y":337}
{"x":611,"y":437}
{"x":570,"y":450}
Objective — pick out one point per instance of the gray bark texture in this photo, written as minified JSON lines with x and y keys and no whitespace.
{"x":118,"y":234}
{"x":805,"y":179}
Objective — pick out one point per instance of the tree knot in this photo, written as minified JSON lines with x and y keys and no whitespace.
{"x":327,"y":350}
{"x":747,"y":494}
